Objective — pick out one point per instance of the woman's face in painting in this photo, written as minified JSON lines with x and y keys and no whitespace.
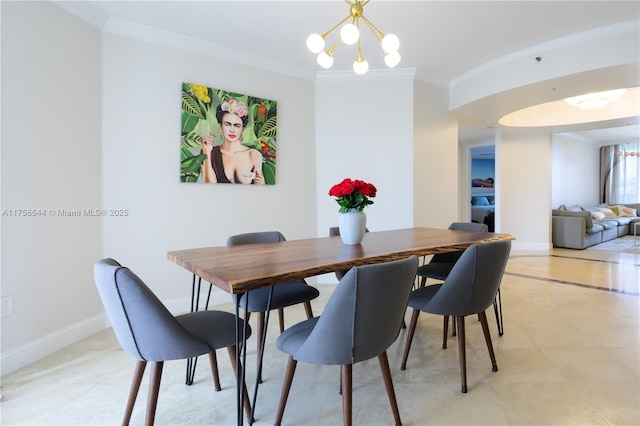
{"x":231,"y":127}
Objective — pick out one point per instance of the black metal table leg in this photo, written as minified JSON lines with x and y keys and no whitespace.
{"x":261,"y":355}
{"x":241,"y":342}
{"x":241,"y":357}
{"x":497,"y":309}
{"x":195,"y":306}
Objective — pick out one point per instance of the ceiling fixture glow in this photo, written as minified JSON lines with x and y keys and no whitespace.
{"x":350,"y":34}
{"x":561,"y":113}
{"x":596,"y":100}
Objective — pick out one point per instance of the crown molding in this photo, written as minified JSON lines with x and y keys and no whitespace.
{"x":153,"y":35}
{"x":83,"y":11}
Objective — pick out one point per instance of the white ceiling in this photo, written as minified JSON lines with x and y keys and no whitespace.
{"x":441,"y":40}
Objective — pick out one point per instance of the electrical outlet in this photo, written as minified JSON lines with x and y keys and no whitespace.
{"x":7,"y":306}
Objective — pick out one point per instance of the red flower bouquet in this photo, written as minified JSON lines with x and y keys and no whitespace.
{"x":353,"y":194}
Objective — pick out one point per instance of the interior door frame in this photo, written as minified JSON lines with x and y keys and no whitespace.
{"x":464,"y":202}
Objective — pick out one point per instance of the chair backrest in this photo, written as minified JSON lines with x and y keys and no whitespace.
{"x":363,"y":316}
{"x":469,"y":226}
{"x":142,"y":324}
{"x":334,"y":231}
{"x":472,"y":284}
{"x":458,"y":226}
{"x":255,"y":238}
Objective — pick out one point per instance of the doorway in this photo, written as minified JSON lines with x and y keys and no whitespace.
{"x":482,"y":183}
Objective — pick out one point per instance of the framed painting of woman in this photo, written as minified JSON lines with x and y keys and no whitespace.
{"x":227,"y":137}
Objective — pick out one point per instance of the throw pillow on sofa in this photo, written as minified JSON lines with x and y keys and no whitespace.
{"x":625,"y":211}
{"x":597,"y":215}
{"x":607,"y":212}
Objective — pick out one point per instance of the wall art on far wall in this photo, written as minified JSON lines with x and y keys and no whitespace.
{"x":227,"y":137}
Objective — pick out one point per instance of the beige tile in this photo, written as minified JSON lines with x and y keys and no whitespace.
{"x":546,"y":403}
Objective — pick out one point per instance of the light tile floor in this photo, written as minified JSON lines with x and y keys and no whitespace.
{"x":569,"y":356}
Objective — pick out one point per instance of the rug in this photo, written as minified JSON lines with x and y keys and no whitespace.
{"x":621,"y":244}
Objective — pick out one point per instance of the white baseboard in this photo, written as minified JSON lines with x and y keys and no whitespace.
{"x":515,"y":246}
{"x":27,"y":353}
{"x":23,"y":355}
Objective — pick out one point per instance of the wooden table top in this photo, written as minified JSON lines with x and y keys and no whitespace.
{"x":240,"y":268}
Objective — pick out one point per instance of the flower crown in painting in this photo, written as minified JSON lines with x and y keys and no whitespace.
{"x":234,"y":106}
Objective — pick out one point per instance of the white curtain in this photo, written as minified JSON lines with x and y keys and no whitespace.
{"x":620,"y":173}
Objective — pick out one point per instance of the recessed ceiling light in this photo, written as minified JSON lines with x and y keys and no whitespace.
{"x":601,"y":106}
{"x":596,"y":100}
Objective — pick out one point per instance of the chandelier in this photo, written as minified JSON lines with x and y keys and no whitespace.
{"x":595,"y":100}
{"x":350,"y":34}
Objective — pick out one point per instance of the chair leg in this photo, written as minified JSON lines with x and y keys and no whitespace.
{"x":261,"y":318}
{"x":247,"y":404}
{"x":154,"y":389}
{"x":412,"y":330}
{"x":423,"y":282}
{"x":346,"y":371}
{"x":463,"y":352}
{"x":445,"y":331}
{"x":286,"y":387}
{"x":388,"y":382}
{"x":133,"y":392}
{"x":281,"y":319}
{"x":487,"y":338}
{"x":308,"y":310}
{"x":214,"y":370}
{"x":453,"y":325}
{"x":260,"y":326}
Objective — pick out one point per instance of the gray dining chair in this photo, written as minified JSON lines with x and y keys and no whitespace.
{"x":286,"y":294}
{"x":469,"y":289}
{"x":441,"y":264}
{"x":360,"y":321}
{"x":147,"y":331}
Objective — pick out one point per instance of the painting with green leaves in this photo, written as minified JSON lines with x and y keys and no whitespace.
{"x":227,"y":137}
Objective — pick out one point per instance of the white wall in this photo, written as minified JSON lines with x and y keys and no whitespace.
{"x":364,"y":130}
{"x":141,"y":140}
{"x":523,"y":189}
{"x":51,"y":103}
{"x":575,"y":171}
{"x":435,"y":161}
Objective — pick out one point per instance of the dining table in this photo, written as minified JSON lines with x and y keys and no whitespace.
{"x":241,"y":268}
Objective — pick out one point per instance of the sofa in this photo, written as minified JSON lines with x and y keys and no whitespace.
{"x":579,"y":227}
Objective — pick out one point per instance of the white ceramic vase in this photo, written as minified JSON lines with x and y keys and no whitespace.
{"x":352,"y":226}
